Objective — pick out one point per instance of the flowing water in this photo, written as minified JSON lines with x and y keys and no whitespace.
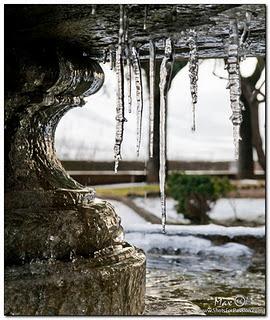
{"x":218,"y":284}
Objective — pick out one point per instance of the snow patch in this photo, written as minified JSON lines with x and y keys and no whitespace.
{"x":128,"y":216}
{"x":205,"y":230}
{"x":242,"y":209}
{"x":186,"y":244}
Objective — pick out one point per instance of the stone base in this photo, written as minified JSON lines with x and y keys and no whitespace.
{"x":101,"y":286}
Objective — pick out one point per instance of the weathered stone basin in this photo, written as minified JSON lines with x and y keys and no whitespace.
{"x":64,"y":250}
{"x":113,"y":285}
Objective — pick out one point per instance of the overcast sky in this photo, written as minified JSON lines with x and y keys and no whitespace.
{"x":87,"y":133}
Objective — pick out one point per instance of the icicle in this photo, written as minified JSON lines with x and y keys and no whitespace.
{"x":164,"y":84}
{"x":120,"y":110}
{"x":127,"y":53}
{"x":244,"y":39}
{"x":145,"y":16}
{"x":232,"y":64}
{"x":193,"y":72}
{"x":152,"y":57}
{"x":139,"y":96}
{"x":93,"y":9}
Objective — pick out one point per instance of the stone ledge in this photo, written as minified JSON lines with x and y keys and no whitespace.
{"x":77,"y":287}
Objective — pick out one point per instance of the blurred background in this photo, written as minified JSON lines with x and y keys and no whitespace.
{"x":88,"y":133}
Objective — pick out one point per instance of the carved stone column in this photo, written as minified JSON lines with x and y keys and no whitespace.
{"x":64,"y":249}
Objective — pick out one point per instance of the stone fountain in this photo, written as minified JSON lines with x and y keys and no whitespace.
{"x":65,"y":252}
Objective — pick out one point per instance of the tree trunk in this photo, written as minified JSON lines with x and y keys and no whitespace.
{"x":245,"y":162}
{"x":251,"y":103}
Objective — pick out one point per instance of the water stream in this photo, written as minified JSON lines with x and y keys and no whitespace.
{"x":201,"y":279}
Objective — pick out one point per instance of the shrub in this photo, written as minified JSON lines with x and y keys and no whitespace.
{"x":195,"y":194}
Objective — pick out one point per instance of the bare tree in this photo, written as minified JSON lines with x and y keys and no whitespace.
{"x":250,"y":130}
{"x":251,"y":98}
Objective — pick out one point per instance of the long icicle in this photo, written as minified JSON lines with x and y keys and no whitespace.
{"x":127,"y":54}
{"x":152,"y":62}
{"x":120,"y":110}
{"x":164,"y":84}
{"x":139,"y":95}
{"x":234,"y":85}
{"x":193,"y":73}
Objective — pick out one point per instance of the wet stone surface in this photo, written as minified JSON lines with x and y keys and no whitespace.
{"x":78,"y":287}
{"x":64,"y":250}
{"x":188,"y":284}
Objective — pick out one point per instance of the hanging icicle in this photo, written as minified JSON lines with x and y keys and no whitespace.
{"x":193,"y":72}
{"x":164,"y":84}
{"x":120,"y":110}
{"x":128,"y":54}
{"x":234,"y":85}
{"x":244,"y":39}
{"x":139,"y":95}
{"x":152,"y":62}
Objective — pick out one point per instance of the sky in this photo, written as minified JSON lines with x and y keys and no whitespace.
{"x":88,"y":132}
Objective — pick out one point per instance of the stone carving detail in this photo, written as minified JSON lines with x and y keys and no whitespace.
{"x":32,"y":161}
{"x":54,"y":225}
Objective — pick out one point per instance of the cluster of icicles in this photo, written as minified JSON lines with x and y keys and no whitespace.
{"x":127,"y":54}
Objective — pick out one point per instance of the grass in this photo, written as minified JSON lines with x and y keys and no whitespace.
{"x":154,"y":188}
{"x":124,"y":192}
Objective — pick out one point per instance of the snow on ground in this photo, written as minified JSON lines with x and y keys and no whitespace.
{"x":133,"y":223}
{"x":242,"y":209}
{"x":186,"y":244}
{"x":225,"y":209}
{"x":128,"y":216}
{"x":197,"y":230}
{"x":183,"y":237}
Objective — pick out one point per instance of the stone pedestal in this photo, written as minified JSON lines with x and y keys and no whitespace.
{"x":64,"y":250}
{"x":111,"y":285}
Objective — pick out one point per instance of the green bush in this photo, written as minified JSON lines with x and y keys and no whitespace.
{"x":195,"y":194}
